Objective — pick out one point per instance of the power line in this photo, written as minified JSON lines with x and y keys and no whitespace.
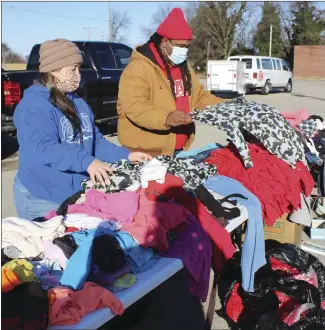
{"x":89,"y":29}
{"x":51,"y":14}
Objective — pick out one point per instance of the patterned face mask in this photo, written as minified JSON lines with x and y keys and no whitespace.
{"x":71,"y":82}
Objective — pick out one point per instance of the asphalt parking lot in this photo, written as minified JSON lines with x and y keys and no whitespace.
{"x":309,"y":95}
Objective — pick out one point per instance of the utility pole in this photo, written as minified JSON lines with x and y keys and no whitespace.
{"x":208,"y":51}
{"x":89,"y":31}
{"x":270,"y":47}
{"x":110,"y":30}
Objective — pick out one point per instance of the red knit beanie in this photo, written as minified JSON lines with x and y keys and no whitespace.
{"x":175,"y":27}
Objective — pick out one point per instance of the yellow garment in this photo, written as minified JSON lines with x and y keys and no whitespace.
{"x":125,"y":281}
{"x":22,"y":268}
{"x":144,"y":102}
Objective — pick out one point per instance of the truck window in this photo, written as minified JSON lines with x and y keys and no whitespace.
{"x":86,"y":64}
{"x":105,"y":59}
{"x":234,"y":59}
{"x":266,"y":64}
{"x":122,"y":55}
{"x":248,"y":62}
{"x":258,"y":63}
{"x":278,"y":64}
{"x":33,"y":61}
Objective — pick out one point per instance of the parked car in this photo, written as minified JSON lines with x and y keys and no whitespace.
{"x":265,"y":73}
{"x":103,"y":63}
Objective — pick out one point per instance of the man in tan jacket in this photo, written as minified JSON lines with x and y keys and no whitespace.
{"x":157,"y":91}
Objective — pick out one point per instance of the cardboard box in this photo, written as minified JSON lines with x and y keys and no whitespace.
{"x":284,"y":231}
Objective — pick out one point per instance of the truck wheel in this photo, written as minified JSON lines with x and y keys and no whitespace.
{"x":288,"y":88}
{"x":267,"y":88}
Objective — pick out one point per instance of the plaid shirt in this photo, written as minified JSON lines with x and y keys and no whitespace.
{"x":308,"y":127}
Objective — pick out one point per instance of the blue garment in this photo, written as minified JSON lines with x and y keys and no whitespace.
{"x":79,"y":265}
{"x":29,"y":207}
{"x":253,"y":256}
{"x":48,"y":272}
{"x":140,"y":259}
{"x":52,"y":163}
{"x":194,"y":153}
{"x":313,"y":159}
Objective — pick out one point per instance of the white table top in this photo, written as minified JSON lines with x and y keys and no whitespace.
{"x":146,"y":282}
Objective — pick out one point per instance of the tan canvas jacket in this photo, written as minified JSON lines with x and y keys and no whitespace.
{"x":144,"y":101}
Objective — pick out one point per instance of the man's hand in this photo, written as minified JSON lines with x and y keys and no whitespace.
{"x":178,"y":118}
{"x":98,"y":170}
{"x":138,"y":157}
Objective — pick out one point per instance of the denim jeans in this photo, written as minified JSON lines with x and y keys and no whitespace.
{"x":28,"y":206}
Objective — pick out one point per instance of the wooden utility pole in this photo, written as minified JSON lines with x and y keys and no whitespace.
{"x":270,"y":47}
{"x":208,"y":51}
{"x":110,"y":29}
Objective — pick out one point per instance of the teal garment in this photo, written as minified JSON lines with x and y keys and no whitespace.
{"x":196,"y":152}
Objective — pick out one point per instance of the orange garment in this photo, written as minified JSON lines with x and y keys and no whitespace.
{"x":69,"y":306}
{"x":9,"y":280}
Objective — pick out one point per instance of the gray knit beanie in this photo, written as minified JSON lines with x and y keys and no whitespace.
{"x":57,"y":54}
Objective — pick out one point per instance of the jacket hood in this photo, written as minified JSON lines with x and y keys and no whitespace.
{"x":37,"y":90}
{"x":144,"y":52}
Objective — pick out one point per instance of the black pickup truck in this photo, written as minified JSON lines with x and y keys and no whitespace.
{"x":103,"y":63}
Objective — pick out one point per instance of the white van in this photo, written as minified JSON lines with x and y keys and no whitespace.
{"x":265,"y":73}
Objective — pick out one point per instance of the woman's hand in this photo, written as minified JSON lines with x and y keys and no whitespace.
{"x":138,"y":157}
{"x":98,"y":172}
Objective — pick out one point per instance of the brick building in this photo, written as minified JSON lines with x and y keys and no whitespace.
{"x":309,"y":62}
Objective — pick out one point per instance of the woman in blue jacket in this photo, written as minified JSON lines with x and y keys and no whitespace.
{"x":59,"y":145}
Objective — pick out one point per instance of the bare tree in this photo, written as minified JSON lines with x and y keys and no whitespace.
{"x":5,"y":50}
{"x":157,"y":18}
{"x":224,"y":25}
{"x":9,"y":56}
{"x":120,"y":23}
{"x":225,"y":22}
{"x":286,"y":18}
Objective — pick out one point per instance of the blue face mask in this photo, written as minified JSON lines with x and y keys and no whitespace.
{"x":179,"y":55}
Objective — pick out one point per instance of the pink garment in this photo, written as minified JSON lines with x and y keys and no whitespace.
{"x":154,"y":220}
{"x":52,"y":251}
{"x":295,"y":118}
{"x":50,"y":215}
{"x":68,"y":306}
{"x":121,"y":206}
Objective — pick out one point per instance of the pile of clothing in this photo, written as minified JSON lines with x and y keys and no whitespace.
{"x":289,"y":292}
{"x":311,"y":130}
{"x":100,"y":239}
